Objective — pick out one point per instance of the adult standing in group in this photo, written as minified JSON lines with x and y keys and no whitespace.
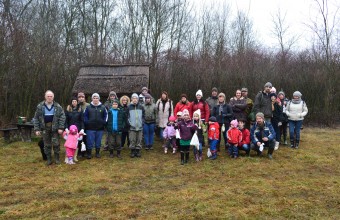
{"x":82,"y":101}
{"x":263,"y":102}
{"x":182,"y":105}
{"x":165,"y":109}
{"x":239,"y":105}
{"x":213,"y":99}
{"x":200,"y":104}
{"x":277,"y":117}
{"x":95,"y":118}
{"x":262,"y":133}
{"x":74,"y":116}
{"x":108,"y":105}
{"x":284,"y":123}
{"x":223,"y":114}
{"x":250,"y":104}
{"x":124,"y":103}
{"x":149,"y":122}
{"x":296,"y":110}
{"x":49,"y":121}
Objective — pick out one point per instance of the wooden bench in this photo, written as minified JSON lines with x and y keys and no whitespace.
{"x":7,"y":133}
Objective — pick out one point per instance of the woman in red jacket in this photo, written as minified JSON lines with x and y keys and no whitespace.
{"x":182,"y":105}
{"x":202,"y":105}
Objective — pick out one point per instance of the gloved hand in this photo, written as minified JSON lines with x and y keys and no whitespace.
{"x":81,"y":131}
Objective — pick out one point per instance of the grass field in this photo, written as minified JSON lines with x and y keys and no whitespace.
{"x":297,"y":184}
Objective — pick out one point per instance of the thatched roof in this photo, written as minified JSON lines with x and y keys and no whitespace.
{"x":105,"y":78}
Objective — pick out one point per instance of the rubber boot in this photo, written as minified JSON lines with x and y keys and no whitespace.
{"x":111,"y":154}
{"x":49,"y":159}
{"x":97,"y":152}
{"x":132,"y":154}
{"x":89,"y":153}
{"x":186,"y":157}
{"x":182,"y":158}
{"x":138,"y":153}
{"x":56,"y":157}
{"x":118,"y":154}
{"x":297,"y":144}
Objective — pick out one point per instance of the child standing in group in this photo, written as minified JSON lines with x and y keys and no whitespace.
{"x":187,"y":129}
{"x":198,"y":122}
{"x":169,"y":135}
{"x":214,"y":136}
{"x":114,"y":127}
{"x":178,"y":119}
{"x":71,"y":144}
{"x":234,"y":139}
{"x":245,"y":143}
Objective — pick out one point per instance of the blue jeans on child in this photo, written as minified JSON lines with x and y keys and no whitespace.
{"x":232,"y":150}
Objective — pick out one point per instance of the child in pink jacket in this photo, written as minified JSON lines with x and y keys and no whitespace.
{"x":72,"y":137}
{"x":169,"y":134}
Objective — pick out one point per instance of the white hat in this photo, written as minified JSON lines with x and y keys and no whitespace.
{"x":134,"y":95}
{"x":198,"y":112}
{"x":199,"y":92}
{"x":95,"y":95}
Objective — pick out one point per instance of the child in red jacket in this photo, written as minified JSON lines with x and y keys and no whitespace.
{"x":213,"y":136}
{"x":245,"y":143}
{"x":234,"y":139}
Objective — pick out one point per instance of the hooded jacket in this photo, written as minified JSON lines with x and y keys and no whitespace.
{"x":136,"y":116}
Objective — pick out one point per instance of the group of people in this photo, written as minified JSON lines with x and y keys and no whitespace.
{"x":243,"y":124}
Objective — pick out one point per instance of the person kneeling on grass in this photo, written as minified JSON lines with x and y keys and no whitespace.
{"x":234,"y":139}
{"x":245,"y":143}
{"x":213,"y":136}
{"x":186,"y":129}
{"x":262,"y":135}
{"x":114,"y":127}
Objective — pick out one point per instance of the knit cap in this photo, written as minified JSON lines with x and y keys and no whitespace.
{"x":185,"y":112}
{"x":297,"y":93}
{"x":281,"y":92}
{"x":172,"y":118}
{"x":95,"y":95}
{"x":234,"y":123}
{"x":214,"y":89}
{"x":268,"y":84}
{"x":260,"y":114}
{"x":212,"y":119}
{"x":273,"y":90}
{"x":179,"y":113}
{"x":221,"y":94}
{"x":199,"y":92}
{"x":198,"y":112}
{"x":134,"y":95}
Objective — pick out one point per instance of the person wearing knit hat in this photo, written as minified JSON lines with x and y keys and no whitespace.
{"x":296,"y":110}
{"x":82,"y":102}
{"x":110,"y":98}
{"x":262,"y":134}
{"x":213,"y":99}
{"x":182,"y":104}
{"x":202,"y":105}
{"x":263,"y":103}
{"x":277,"y":117}
{"x":200,"y":129}
{"x":169,"y":135}
{"x":145,"y":90}
{"x":149,"y":122}
{"x":95,"y":118}
{"x":223,"y":114}
{"x":284,"y":122}
{"x":136,"y":118}
{"x":234,"y":139}
{"x":250,"y":104}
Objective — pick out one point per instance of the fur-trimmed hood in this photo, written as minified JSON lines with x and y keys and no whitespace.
{"x":121,"y":100}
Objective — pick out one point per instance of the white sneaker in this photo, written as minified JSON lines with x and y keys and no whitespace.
{"x":165,"y":150}
{"x":276,"y":145}
{"x":174,"y":150}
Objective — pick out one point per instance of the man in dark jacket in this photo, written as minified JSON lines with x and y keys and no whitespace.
{"x":95,"y":118}
{"x":263,"y":102}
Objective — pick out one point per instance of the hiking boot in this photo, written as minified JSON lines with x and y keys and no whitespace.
{"x":297,"y":144}
{"x":49,"y":159}
{"x":118,"y":154}
{"x":111,"y":154}
{"x":89,"y":153}
{"x":56,"y":157}
{"x":150,"y":147}
{"x":132,"y":154}
{"x":138,"y":153}
{"x":214,"y":156}
{"x":97,"y":152}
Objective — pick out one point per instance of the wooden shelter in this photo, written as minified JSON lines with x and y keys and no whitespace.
{"x":123,"y":79}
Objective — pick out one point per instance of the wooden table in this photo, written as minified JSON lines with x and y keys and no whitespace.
{"x":25,"y":130}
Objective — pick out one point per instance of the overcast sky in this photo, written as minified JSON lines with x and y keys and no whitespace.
{"x":298,"y":14}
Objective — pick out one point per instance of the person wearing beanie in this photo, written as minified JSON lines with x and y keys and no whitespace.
{"x":263,"y":103}
{"x":239,"y":105}
{"x":213,"y":136}
{"x":145,"y":91}
{"x":83,"y":104}
{"x":262,"y":134}
{"x":296,"y":110}
{"x":200,"y":129}
{"x":165,"y":109}
{"x":136,"y":118}
{"x":202,"y":105}
{"x":213,"y":99}
{"x":182,"y":104}
{"x":124,"y":103}
{"x":284,"y":123}
{"x":223,"y":114}
{"x":108,"y":105}
{"x":277,"y":118}
{"x":95,"y":118}
{"x":234,"y":139}
{"x":186,"y":129}
{"x":149,"y":122}
{"x":169,"y":135}
{"x":250,"y":104}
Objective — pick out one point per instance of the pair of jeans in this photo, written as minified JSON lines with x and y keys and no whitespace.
{"x":200,"y":149}
{"x":294,"y":128}
{"x":148,"y":132}
{"x":275,"y":124}
{"x":245,"y":147}
{"x":213,"y":145}
{"x":161,"y":133}
{"x":233,"y":150}
{"x":94,"y":139}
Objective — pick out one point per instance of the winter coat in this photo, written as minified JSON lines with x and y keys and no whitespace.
{"x":263,"y":104}
{"x":199,"y":132}
{"x":58,"y":117}
{"x":257,"y":133}
{"x":239,"y":107}
{"x":245,"y":137}
{"x":214,"y":131}
{"x":225,"y":116}
{"x":169,"y":131}
{"x":234,"y":136}
{"x":181,"y":106}
{"x":212,"y":102}
{"x":186,"y":129}
{"x":296,"y":112}
{"x":250,"y":105}
{"x":203,"y":106}
{"x":136,"y":117}
{"x":95,"y":117}
{"x":150,"y":113}
{"x":71,"y":140}
{"x":164,"y":111}
{"x":117,"y":123}
{"x":277,"y":113}
{"x":74,"y":116}
{"x":125,"y":108}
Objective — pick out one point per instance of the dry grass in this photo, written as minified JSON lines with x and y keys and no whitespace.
{"x":297,"y":184}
